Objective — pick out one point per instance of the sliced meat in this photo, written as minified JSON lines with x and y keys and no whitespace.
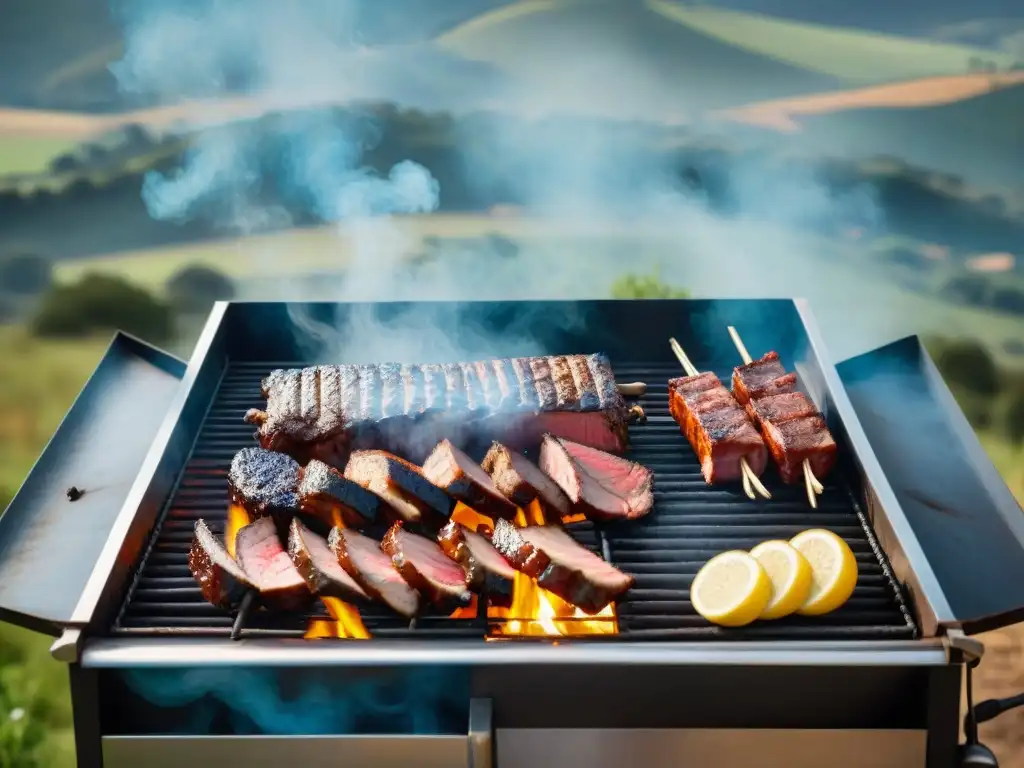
{"x":779,"y":408}
{"x":601,"y":485}
{"x":462,"y":478}
{"x":319,"y":566}
{"x":222,"y":581}
{"x":363,"y":560}
{"x":560,"y":565}
{"x":486,"y":570}
{"x":400,"y":484}
{"x":425,"y":566}
{"x":797,"y":439}
{"x":262,"y":557}
{"x":520,"y":480}
{"x":324,"y":493}
{"x":761,"y":378}
{"x":264,"y":482}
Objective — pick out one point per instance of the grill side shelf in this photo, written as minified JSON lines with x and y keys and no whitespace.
{"x":690,"y":523}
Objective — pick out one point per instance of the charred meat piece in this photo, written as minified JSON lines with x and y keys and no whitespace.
{"x":222,"y":581}
{"x":520,"y":480}
{"x":797,"y":439}
{"x":262,"y":557}
{"x":486,"y":570}
{"x":319,"y":566}
{"x":328,"y":411}
{"x":718,"y":428}
{"x":761,"y":378}
{"x":779,"y":408}
{"x":462,"y":478}
{"x":363,"y":560}
{"x":400,"y":484}
{"x":601,"y":485}
{"x":425,"y":566}
{"x":264,"y":482}
{"x":560,"y":565}
{"x":324,"y":492}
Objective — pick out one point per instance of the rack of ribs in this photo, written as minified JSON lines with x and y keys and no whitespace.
{"x":325,"y":412}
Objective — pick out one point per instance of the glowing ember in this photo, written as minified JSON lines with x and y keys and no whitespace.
{"x":347,"y":622}
{"x":535,"y":612}
{"x":238,"y":518}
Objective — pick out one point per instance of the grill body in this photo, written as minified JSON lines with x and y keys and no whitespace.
{"x":153,"y":666}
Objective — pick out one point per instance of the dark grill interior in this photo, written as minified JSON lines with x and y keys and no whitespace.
{"x":690,"y":523}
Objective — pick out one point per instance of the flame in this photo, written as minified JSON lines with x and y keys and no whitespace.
{"x":238,"y":518}
{"x":535,"y":612}
{"x":347,"y":623}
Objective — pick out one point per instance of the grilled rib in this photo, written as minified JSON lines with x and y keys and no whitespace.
{"x":792,"y":426}
{"x":327,"y":411}
{"x":719,"y":430}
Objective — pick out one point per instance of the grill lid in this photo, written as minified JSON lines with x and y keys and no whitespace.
{"x":50,"y":544}
{"x":967,"y":522}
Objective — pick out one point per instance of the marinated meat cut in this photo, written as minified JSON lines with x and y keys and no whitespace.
{"x":462,"y":478}
{"x":267,"y":563}
{"x":779,"y":408}
{"x":363,"y":560}
{"x":601,"y":485}
{"x":423,"y":564}
{"x":326,"y":412}
{"x":269,"y":483}
{"x":486,"y":570}
{"x":521,"y":481}
{"x":761,"y":378}
{"x":560,"y":565}
{"x":797,"y":439}
{"x":400,"y":484}
{"x":222,"y":581}
{"x":319,"y":566}
{"x":718,"y":428}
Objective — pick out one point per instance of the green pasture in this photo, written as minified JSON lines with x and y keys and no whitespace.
{"x":21,"y":154}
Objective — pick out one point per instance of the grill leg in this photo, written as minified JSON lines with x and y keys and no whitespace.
{"x":85,"y":709}
{"x":944,"y":715}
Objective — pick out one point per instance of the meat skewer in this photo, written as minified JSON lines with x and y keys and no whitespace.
{"x":783,"y":387}
{"x":735,"y":427}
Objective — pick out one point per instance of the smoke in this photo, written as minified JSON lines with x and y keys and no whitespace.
{"x":600,"y":202}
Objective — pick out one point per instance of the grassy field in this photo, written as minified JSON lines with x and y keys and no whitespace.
{"x":31,"y":154}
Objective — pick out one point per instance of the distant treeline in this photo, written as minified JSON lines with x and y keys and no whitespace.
{"x":485,"y":160}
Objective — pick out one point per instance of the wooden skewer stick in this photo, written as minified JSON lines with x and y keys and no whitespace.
{"x":814,"y":486}
{"x":751,"y":481}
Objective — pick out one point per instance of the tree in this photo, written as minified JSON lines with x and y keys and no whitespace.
{"x":645,"y":287}
{"x":968,"y":364}
{"x":25,"y":274}
{"x":196,"y":287}
{"x":102,"y":302}
{"x":1015,"y":417}
{"x":967,"y":289}
{"x":1009,"y":299}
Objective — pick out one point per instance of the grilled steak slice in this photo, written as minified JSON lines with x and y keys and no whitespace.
{"x":222,"y":581}
{"x":761,"y":378}
{"x":425,"y":566}
{"x":264,"y":482}
{"x":327,"y":411}
{"x":797,"y":439}
{"x":718,"y":428}
{"x":779,"y":408}
{"x":449,"y":468}
{"x":601,"y":485}
{"x":363,"y":560}
{"x":324,"y":493}
{"x":486,"y":570}
{"x":400,"y":484}
{"x":520,"y":480}
{"x":262,"y":557}
{"x":560,"y":565}
{"x":319,"y":566}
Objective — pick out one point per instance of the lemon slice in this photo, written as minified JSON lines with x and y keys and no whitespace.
{"x":731,"y":589}
{"x":790,"y":574}
{"x":833,"y":568}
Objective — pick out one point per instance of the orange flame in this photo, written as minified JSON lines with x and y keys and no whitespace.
{"x":535,"y":612}
{"x":238,"y":518}
{"x":345,"y":621}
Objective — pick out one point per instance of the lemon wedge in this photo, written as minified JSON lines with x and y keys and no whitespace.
{"x":731,"y":589}
{"x":790,"y":574}
{"x":833,"y":569}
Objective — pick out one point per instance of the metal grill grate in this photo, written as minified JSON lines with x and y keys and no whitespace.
{"x":690,"y":523}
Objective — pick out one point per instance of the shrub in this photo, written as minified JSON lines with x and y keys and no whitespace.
{"x":25,"y":274}
{"x":968,"y":364}
{"x":102,"y":302}
{"x":967,"y":289}
{"x":1015,"y":417}
{"x":645,"y":287}
{"x":195,"y":288}
{"x":1008,"y":299}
